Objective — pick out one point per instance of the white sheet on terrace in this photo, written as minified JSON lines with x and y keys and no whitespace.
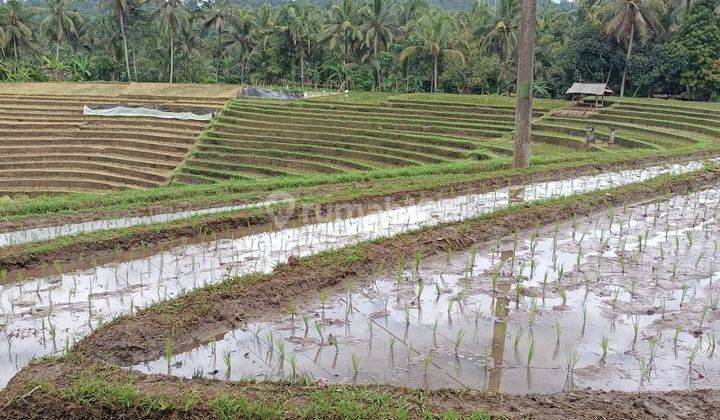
{"x":124,"y":111}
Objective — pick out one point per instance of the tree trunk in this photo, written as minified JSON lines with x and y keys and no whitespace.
{"x":217,"y":63}
{"x":375,"y":52}
{"x":627,"y":60}
{"x":523,"y":107}
{"x":433,"y":88}
{"x":57,"y":51}
{"x":122,"y":33}
{"x":17,"y":57}
{"x":172,"y":58}
{"x":302,"y":68}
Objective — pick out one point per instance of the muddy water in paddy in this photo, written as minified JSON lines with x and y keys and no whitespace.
{"x":44,"y":233}
{"x":642,"y":278}
{"x":47,"y":314}
{"x":51,"y":232}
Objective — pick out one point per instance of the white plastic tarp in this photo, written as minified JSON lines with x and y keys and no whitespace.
{"x":124,"y":111}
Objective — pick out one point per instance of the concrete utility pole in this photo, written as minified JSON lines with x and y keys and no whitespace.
{"x":523,"y":106}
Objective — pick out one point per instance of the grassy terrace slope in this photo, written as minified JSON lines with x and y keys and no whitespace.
{"x":263,"y":138}
{"x":47,"y":145}
{"x":640,"y":124}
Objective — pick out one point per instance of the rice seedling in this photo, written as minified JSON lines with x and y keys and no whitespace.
{"x":518,"y":335}
{"x":663,"y":308}
{"x":563,"y":293}
{"x":604,"y":347}
{"x":703,"y":314}
{"x":683,"y":293}
{"x":320,"y":330}
{"x":636,"y":328}
{"x":531,"y":352}
{"x":355,"y":365}
{"x":227,"y":360}
{"x":615,"y":296}
{"x":694,"y":351}
{"x":293,"y":366}
{"x":458,"y":339}
{"x":406,"y":313}
{"x":558,"y":330}
{"x":678,"y":329}
{"x":306,"y":321}
{"x":169,"y":351}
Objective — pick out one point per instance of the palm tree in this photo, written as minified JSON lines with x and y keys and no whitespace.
{"x":173,"y":18}
{"x":524,"y":88}
{"x":219,"y":12}
{"x":119,"y":8}
{"x":243,"y":38}
{"x":298,"y":31}
{"x":409,"y":11}
{"x":626,"y":19}
{"x":59,"y":23}
{"x":16,"y":22}
{"x":499,"y":33}
{"x":343,"y":26}
{"x":378,"y":30}
{"x":435,"y":36}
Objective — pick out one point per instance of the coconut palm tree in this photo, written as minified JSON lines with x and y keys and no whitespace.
{"x":409,"y":11}
{"x":16,"y":21}
{"x":59,"y":24}
{"x":218,"y":13}
{"x":173,"y":18}
{"x":435,"y":33}
{"x":378,"y":30}
{"x":118,"y":9}
{"x":626,"y":20}
{"x":343,"y":26}
{"x":243,"y":38}
{"x":297,"y":28}
{"x":499,"y":33}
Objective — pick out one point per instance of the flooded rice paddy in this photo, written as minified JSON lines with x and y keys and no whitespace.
{"x":51,"y":232}
{"x":606,"y":180}
{"x":625,"y":300}
{"x":47,"y":314}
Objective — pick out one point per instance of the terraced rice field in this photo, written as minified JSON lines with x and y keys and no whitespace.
{"x":47,"y":145}
{"x":261,"y":138}
{"x":332,"y":252}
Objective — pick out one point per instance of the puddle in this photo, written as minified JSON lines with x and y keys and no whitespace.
{"x":521,"y":315}
{"x":48,"y":314}
{"x":606,"y":180}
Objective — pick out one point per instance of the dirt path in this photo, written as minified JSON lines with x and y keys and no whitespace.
{"x":80,"y":389}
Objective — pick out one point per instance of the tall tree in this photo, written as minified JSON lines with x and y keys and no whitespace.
{"x":435,"y":36}
{"x":243,"y":39}
{"x":626,"y":20}
{"x":378,"y":30}
{"x":523,"y":106}
{"x":16,"y":21}
{"x":297,"y":28}
{"x":499,"y":33}
{"x":217,"y":14}
{"x":173,"y":17}
{"x":59,"y":24}
{"x":342,"y":26}
{"x":118,"y":9}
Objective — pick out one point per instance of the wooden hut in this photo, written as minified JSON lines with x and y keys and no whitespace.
{"x":599,"y":90}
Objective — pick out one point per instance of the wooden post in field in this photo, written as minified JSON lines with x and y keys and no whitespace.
{"x":523,"y":107}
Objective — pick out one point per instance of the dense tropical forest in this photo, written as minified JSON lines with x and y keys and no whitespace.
{"x":642,"y":47}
